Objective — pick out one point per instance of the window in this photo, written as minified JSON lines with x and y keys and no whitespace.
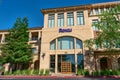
{"x":66,"y":43}
{"x":52,"y":63}
{"x":34,"y":50}
{"x":80,"y":61}
{"x":70,"y":19}
{"x":107,"y":9}
{"x":34,"y":35}
{"x":101,"y":10}
{"x":78,"y":44}
{"x":106,"y":44}
{"x":91,"y":12}
{"x":97,"y":46}
{"x":60,"y":19}
{"x":80,"y":18}
{"x":34,"y":38}
{"x":52,"y":45}
{"x":96,"y":11}
{"x":66,"y":58}
{"x":51,"y":20}
{"x":94,"y":22}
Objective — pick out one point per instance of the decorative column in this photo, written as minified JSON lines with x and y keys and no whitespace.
{"x":65,"y":19}
{"x":45,"y":20}
{"x":55,"y":19}
{"x":75,"y":18}
{"x":76,"y":64}
{"x":3,"y":38}
{"x":39,"y":35}
{"x":56,"y":57}
{"x":30,"y":35}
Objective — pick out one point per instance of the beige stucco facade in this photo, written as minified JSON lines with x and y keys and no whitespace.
{"x":83,"y":32}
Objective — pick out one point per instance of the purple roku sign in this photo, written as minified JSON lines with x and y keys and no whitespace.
{"x":65,"y":30}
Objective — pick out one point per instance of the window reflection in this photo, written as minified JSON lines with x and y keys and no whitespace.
{"x":80,"y":61}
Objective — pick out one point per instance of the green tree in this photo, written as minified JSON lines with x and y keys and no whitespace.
{"x":17,"y":50}
{"x":108,"y":36}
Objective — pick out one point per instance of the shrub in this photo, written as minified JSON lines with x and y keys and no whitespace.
{"x":18,"y":72}
{"x":47,"y":72}
{"x":41,"y":72}
{"x":35,"y":72}
{"x":1,"y":68}
{"x":7,"y":73}
{"x":102,"y":73}
{"x":107,"y":72}
{"x":80,"y":72}
{"x":96,"y":73}
{"x":26,"y":72}
{"x":119,"y":72}
{"x":86,"y":73}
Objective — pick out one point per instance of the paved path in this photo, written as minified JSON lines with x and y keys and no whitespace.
{"x":58,"y":78}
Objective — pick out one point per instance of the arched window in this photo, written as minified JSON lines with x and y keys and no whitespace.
{"x":52,"y":45}
{"x":66,"y":43}
{"x":78,"y":44}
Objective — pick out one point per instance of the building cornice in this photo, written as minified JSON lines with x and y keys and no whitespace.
{"x":81,"y":7}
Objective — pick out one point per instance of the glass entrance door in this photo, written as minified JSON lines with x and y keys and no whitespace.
{"x":66,"y":63}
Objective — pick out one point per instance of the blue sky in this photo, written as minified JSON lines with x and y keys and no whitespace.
{"x":11,"y":9}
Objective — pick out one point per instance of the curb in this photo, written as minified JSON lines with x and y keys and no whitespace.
{"x":118,"y":77}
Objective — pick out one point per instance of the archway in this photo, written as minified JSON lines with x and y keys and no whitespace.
{"x":36,"y":65}
{"x":105,"y":63}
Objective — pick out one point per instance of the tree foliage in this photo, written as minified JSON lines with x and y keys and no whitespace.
{"x":16,"y":48}
{"x":108,"y":36}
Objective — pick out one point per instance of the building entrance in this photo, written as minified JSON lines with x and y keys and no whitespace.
{"x":66,"y":63}
{"x":66,"y":67}
{"x":105,"y":63}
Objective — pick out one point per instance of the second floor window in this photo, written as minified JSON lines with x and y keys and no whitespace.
{"x":107,"y":9}
{"x":94,"y":22}
{"x":60,"y":19}
{"x":96,"y":12}
{"x":91,"y":12}
{"x":80,"y":18}
{"x":70,"y":19}
{"x":101,"y":10}
{"x":51,"y":20}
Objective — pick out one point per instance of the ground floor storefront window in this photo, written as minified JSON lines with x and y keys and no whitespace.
{"x":52,"y":63}
{"x":66,"y":63}
{"x":80,"y":61}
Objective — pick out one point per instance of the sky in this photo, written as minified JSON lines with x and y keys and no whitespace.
{"x":11,"y":9}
